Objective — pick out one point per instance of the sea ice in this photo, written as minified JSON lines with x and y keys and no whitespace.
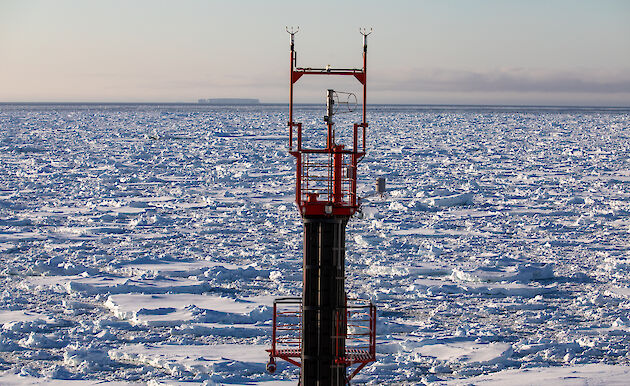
{"x":146,"y":243}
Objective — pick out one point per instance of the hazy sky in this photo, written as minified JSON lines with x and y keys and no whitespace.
{"x":434,"y":51}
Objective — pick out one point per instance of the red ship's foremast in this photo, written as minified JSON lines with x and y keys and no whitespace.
{"x":323,"y":332}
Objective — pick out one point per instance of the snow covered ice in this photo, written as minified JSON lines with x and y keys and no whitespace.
{"x":146,"y":244}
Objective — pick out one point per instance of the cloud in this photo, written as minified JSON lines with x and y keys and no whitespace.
{"x":506,"y":80}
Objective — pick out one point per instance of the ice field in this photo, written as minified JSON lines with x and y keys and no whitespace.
{"x":146,"y":243}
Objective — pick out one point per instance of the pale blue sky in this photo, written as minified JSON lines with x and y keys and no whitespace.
{"x":472,"y":52}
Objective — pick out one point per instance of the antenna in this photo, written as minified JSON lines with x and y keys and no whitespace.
{"x":363,"y":31}
{"x":292,"y":31}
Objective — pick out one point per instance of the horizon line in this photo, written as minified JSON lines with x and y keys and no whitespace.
{"x":316,"y":104}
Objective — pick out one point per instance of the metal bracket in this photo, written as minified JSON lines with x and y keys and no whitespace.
{"x":292,"y":31}
{"x":365,"y":32}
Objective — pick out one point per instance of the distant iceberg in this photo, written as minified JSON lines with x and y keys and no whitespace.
{"x":229,"y":101}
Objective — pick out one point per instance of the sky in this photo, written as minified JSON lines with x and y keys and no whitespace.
{"x":534,"y":52}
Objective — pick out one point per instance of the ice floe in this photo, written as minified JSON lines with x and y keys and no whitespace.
{"x":144,"y":244}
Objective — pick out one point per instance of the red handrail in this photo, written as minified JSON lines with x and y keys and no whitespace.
{"x":355,"y":333}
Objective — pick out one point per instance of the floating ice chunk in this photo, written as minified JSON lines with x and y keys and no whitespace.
{"x":446,"y":289}
{"x":616,"y":264}
{"x":87,"y":359}
{"x":519,"y":273}
{"x":7,"y":343}
{"x":57,"y":372}
{"x":618,"y":292}
{"x":259,"y":314}
{"x":217,"y":329}
{"x":535,"y":271}
{"x":107,"y":285}
{"x":59,"y":266}
{"x":223,"y":274}
{"x":76,"y":305}
{"x":276,"y":276}
{"x":38,"y":340}
{"x":507,"y":289}
{"x":453,"y":200}
{"x":418,"y":206}
{"x":442,"y":192}
{"x":371,"y":212}
{"x":14,"y":318}
{"x":216,"y":362}
{"x":28,"y":371}
{"x":589,"y":374}
{"x":361,"y":242}
{"x":575,"y":201}
{"x":106,"y":335}
{"x":425,"y":269}
{"x":466,"y":352}
{"x":178,"y":309}
{"x":441,"y":368}
{"x":128,"y":211}
{"x":397,"y":206}
{"x":600,"y":299}
{"x":379,"y":270}
{"x":436,"y":250}
{"x":153,"y":269}
{"x":584,"y":220}
{"x":156,"y":311}
{"x":8,"y":247}
{"x":620,"y":323}
{"x":30,"y":325}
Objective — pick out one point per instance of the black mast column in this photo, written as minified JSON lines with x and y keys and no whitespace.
{"x":323,"y":298}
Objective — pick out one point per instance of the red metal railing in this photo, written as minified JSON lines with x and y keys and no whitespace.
{"x":356,"y":325}
{"x":286,"y":339}
{"x":317,"y":179}
{"x":355,"y":335}
{"x":326,"y":179}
